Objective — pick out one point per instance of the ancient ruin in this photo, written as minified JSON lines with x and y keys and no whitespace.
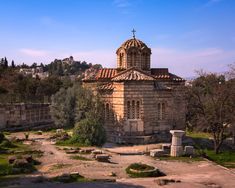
{"x":176,"y":145}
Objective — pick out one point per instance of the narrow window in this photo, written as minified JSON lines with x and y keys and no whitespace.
{"x":134,"y":59}
{"x":138,"y":110}
{"x":131,"y":59}
{"x":133,"y":109}
{"x":146,"y":61}
{"x":159,"y":111}
{"x":163,"y":110}
{"x":121,"y":59}
{"x":128,"y":109}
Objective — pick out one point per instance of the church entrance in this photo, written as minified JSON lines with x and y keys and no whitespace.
{"x":133,"y":125}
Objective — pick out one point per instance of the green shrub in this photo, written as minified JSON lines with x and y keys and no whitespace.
{"x":68,"y":178}
{"x":225,"y":158}
{"x":1,"y":137}
{"x":79,"y":157}
{"x":7,"y":144}
{"x":143,"y":170}
{"x":89,"y":132}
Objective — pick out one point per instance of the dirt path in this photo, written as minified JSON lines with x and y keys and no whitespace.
{"x":201,"y":174}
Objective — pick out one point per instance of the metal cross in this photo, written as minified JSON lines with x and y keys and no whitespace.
{"x":133,"y":31}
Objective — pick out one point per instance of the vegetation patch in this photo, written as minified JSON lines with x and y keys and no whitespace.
{"x":69,"y":178}
{"x":7,"y":144}
{"x":182,"y":158}
{"x":5,"y":168}
{"x":60,"y":166}
{"x":198,"y":134}
{"x":138,"y":170}
{"x":17,"y":158}
{"x":225,"y":158}
{"x":81,"y":158}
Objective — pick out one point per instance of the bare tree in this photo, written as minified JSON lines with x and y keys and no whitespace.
{"x":211,"y":106}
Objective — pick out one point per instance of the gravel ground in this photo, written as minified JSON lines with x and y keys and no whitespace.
{"x":200,"y":174}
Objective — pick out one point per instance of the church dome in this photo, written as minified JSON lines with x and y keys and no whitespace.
{"x":134,"y":43}
{"x":133,"y":53}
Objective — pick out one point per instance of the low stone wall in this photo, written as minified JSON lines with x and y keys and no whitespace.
{"x":22,"y":116}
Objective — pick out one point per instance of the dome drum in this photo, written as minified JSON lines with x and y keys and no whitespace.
{"x":133,"y":53}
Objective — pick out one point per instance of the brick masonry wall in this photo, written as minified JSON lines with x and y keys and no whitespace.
{"x":149,"y":97}
{"x":20,"y":116}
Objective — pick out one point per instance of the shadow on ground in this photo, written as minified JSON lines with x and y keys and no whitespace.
{"x":32,"y":182}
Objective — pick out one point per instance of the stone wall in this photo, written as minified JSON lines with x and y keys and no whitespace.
{"x":20,"y":116}
{"x":148,"y":127}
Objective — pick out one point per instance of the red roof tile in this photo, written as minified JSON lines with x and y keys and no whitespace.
{"x":107,"y":86}
{"x":106,"y":73}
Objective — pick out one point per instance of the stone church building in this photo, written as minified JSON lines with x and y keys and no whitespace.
{"x":141,"y":104}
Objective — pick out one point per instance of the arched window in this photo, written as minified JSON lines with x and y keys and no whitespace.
{"x":121,"y":59}
{"x":131,"y":59}
{"x":128,"y":110}
{"x":133,"y":109}
{"x":134,"y":59}
{"x":161,"y":111}
{"x":137,"y":110}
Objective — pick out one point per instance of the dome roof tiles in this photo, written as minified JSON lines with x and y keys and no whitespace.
{"x":134,"y":43}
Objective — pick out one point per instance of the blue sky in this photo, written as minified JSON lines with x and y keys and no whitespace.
{"x":184,"y":35}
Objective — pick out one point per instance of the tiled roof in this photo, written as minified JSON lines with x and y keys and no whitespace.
{"x":106,"y":73}
{"x":132,"y":74}
{"x":163,"y":73}
{"x":134,"y":43}
{"x":175,"y":78}
{"x":108,"y":86}
{"x":101,"y":74}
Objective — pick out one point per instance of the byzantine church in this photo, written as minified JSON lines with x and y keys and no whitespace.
{"x":141,"y":104}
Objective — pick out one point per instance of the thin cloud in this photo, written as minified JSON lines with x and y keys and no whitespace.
{"x":185,"y":62}
{"x":211,"y":2}
{"x":121,"y":3}
{"x":33,"y":52}
{"x":180,"y":62}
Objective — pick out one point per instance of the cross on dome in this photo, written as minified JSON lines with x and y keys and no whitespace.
{"x":133,"y":31}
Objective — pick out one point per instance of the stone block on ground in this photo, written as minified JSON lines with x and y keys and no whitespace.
{"x":20,"y":163}
{"x":39,"y":133}
{"x":102,"y":157}
{"x":189,"y":150}
{"x":59,"y":131}
{"x":86,"y":150}
{"x":97,"y":152}
{"x":72,"y":151}
{"x":11,"y":159}
{"x":166,"y":147}
{"x":157,"y":153}
{"x":28,"y":158}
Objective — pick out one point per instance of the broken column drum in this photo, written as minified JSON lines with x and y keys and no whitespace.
{"x":176,"y":145}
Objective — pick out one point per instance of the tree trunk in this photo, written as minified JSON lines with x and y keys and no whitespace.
{"x":217,"y":144}
{"x":216,"y":149}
